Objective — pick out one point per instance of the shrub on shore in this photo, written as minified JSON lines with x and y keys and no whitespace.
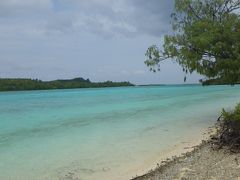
{"x":228,"y":134}
{"x":232,"y":115}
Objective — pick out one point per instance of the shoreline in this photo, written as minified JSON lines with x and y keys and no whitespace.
{"x":180,"y":149}
{"x":201,"y":162}
{"x":169,"y":162}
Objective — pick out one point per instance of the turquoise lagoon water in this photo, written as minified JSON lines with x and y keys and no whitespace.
{"x":106,"y":133}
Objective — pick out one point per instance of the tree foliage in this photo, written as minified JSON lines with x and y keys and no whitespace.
{"x":205,"y":39}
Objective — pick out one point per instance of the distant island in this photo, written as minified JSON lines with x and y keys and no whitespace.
{"x":20,"y":84}
{"x":218,"y":81}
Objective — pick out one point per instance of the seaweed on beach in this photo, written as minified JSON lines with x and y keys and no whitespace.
{"x":228,"y":132}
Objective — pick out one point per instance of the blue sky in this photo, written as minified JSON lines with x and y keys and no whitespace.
{"x":97,"y":39}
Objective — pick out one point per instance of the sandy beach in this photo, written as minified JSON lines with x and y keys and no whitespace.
{"x":201,"y":162}
{"x":178,"y":150}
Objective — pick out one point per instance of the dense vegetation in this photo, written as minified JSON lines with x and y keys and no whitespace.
{"x":205,"y":39}
{"x":30,"y":84}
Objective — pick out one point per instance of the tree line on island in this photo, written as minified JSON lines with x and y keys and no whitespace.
{"x":19,"y":84}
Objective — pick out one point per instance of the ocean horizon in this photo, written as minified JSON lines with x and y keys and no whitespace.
{"x":102,"y":133}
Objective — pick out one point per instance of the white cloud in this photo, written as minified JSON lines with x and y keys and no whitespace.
{"x":101,"y":17}
{"x":23,"y":7}
{"x":24,"y":3}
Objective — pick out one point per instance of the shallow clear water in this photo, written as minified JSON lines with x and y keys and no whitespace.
{"x":93,"y":133}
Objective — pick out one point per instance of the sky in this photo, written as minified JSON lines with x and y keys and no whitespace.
{"x":96,"y":39}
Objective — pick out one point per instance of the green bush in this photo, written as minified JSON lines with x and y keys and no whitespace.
{"x":228,"y":133}
{"x":232,"y":115}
